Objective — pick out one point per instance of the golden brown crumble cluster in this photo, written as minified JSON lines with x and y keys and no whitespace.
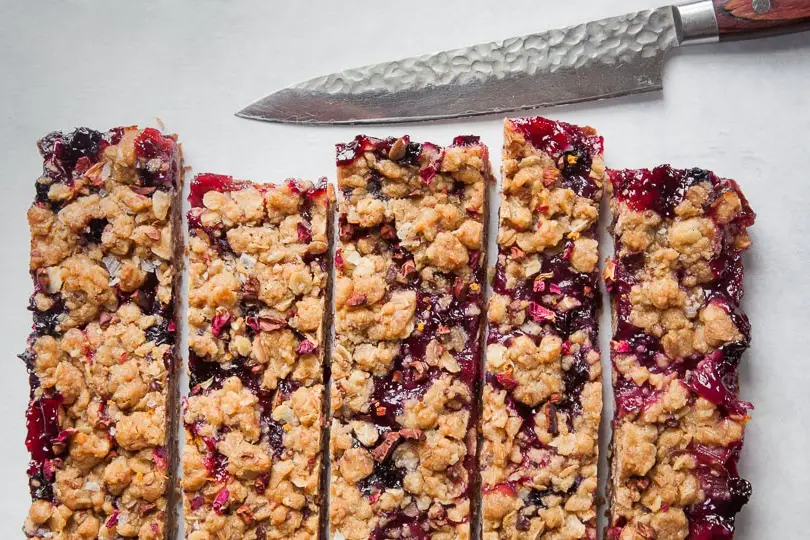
{"x":542,"y":397}
{"x":676,"y":283}
{"x":408,"y":301}
{"x":257,"y":289}
{"x":101,"y":355}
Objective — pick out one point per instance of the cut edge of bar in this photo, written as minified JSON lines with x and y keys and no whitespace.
{"x":328,"y":336}
{"x":173,"y":399}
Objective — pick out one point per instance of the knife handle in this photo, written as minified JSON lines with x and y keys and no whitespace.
{"x":742,"y":19}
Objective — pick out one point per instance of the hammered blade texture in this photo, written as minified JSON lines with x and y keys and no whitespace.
{"x":618,"y":40}
{"x":613,"y":56}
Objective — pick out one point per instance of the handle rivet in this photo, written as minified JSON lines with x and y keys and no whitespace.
{"x":761,"y":6}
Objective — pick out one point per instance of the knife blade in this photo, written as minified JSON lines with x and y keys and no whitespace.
{"x":595,"y":60}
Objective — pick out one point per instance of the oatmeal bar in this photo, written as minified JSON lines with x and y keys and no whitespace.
{"x":542,"y":393}
{"x":105,"y":260}
{"x":259,"y":274}
{"x":408,"y":299}
{"x":676,"y":286}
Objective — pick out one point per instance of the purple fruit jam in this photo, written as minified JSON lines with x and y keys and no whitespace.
{"x":573,"y":147}
{"x":466,"y":140}
{"x":726,"y":493}
{"x":409,"y":154}
{"x":63,"y":151}
{"x":554,"y":138}
{"x":384,"y":476}
{"x":216,"y":464}
{"x":95,"y":228}
{"x":46,"y":323}
{"x":399,"y":525}
{"x":43,"y":430}
{"x":663,"y":188}
{"x":273,"y":430}
{"x":161,"y":333}
{"x":347,"y":153}
{"x":715,"y":379}
{"x":201,"y":371}
{"x":630,"y":398}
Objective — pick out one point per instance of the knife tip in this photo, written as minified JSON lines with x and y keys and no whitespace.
{"x":249,"y":113}
{"x":256,"y":111}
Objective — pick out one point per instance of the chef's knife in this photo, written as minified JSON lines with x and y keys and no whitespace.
{"x":600,"y":59}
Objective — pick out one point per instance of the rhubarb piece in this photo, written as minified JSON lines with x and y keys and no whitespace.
{"x":676,"y":284}
{"x":542,"y":393}
{"x":105,"y":259}
{"x":258,"y":283}
{"x":408,"y":298}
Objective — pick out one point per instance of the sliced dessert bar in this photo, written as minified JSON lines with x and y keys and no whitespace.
{"x":408,"y":299}
{"x":258,"y":284}
{"x":676,"y":285}
{"x":542,"y":393}
{"x":105,"y":260}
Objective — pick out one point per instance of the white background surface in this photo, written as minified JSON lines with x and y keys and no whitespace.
{"x":742,"y":109}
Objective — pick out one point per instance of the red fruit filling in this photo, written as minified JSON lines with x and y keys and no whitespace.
{"x":158,"y":166}
{"x":42,"y":422}
{"x":572,"y":146}
{"x":663,"y":188}
{"x":401,"y":525}
{"x":427,"y":156}
{"x":716,"y":381}
{"x":203,"y":183}
{"x":152,"y":144}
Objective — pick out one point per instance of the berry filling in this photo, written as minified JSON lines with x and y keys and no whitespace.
{"x":62,"y":152}
{"x":571,"y":146}
{"x":384,"y":476}
{"x":726,"y":493}
{"x":401,"y":525}
{"x":95,"y":228}
{"x":206,"y":376}
{"x":46,"y":323}
{"x":157,"y":160}
{"x":203,"y":183}
{"x":631,"y":398}
{"x":427,"y":156}
{"x":42,"y":440}
{"x":161,"y":333}
{"x":663,"y":188}
{"x":715,"y":379}
{"x":406,"y":152}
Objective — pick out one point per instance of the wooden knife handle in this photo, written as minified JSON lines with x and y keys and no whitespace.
{"x":740,"y":19}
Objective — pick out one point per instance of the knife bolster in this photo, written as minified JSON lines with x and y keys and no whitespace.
{"x":696,"y":22}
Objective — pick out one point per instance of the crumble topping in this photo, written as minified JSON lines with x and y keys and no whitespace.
{"x":408,"y":300}
{"x":254,"y":418}
{"x":101,"y":355}
{"x":676,"y":284}
{"x":542,"y":395}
